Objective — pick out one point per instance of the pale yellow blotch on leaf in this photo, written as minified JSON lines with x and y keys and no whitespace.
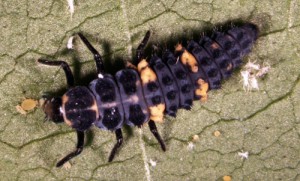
{"x":195,"y":138}
{"x":27,"y":105}
{"x":217,"y":133}
{"x":226,"y":178}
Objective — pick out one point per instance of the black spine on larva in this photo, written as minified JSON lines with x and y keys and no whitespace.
{"x":110,"y":108}
{"x":218,"y":55}
{"x":135,"y":108}
{"x":229,"y":45}
{"x":206,"y":64}
{"x":182,"y":78}
{"x":244,"y":36}
{"x":167,"y":84}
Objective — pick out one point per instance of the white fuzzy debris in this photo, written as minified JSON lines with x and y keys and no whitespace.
{"x":250,"y":73}
{"x":245,"y":76}
{"x":21,"y":110}
{"x":71,"y":7}
{"x":67,"y":165}
{"x":70,"y":43}
{"x":100,"y":76}
{"x":191,"y":146}
{"x":152,"y":163}
{"x":253,"y":83}
{"x":252,"y":65}
{"x":244,"y":155}
{"x":263,"y":71}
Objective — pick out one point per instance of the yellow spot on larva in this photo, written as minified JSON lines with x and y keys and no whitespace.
{"x":65,"y":99}
{"x":94,"y":107}
{"x":202,"y":90}
{"x":214,"y":45}
{"x":217,"y":133}
{"x":146,"y":73}
{"x":187,"y":58}
{"x":130,"y":65}
{"x":157,"y":112}
{"x":229,"y":67}
{"x":178,"y":47}
{"x":226,"y":178}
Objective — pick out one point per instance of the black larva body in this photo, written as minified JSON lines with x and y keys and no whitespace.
{"x":158,"y":86}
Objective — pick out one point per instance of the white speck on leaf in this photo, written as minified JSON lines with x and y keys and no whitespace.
{"x":252,"y":66}
{"x":70,"y":43}
{"x":253,"y":82}
{"x":67,"y":165}
{"x":243,"y":155}
{"x":20,"y":110}
{"x":245,"y":76}
{"x":71,"y":7}
{"x":191,"y":146}
{"x":263,"y":71}
{"x":250,"y":73}
{"x":152,"y":163}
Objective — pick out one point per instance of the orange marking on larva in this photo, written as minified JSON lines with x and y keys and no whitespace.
{"x":65,"y":99}
{"x":94,"y":107}
{"x":68,"y":122}
{"x":130,"y":65}
{"x":157,"y":112}
{"x":191,"y":61}
{"x":146,"y":73}
{"x":178,"y":47}
{"x":214,"y":45}
{"x":202,"y":90}
{"x":187,"y":58}
{"x":229,"y":67}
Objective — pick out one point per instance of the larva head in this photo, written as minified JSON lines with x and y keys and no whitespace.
{"x":51,"y":107}
{"x":252,"y":29}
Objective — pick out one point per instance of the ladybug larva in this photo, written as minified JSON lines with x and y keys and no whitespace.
{"x":156,"y":86}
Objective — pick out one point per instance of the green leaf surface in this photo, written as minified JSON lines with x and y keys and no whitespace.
{"x":264,"y":123}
